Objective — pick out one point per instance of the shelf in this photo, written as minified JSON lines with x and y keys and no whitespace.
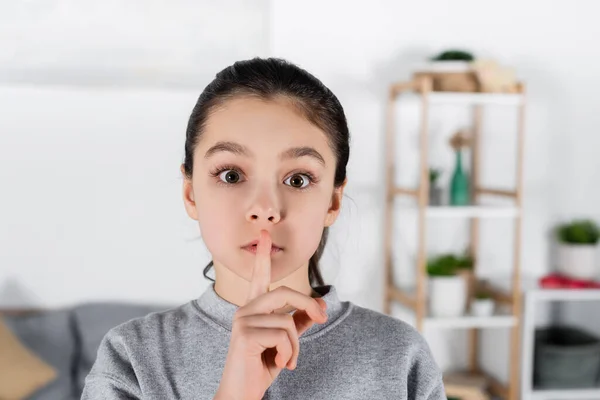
{"x":407,"y":297}
{"x":495,"y":387}
{"x":565,"y":294}
{"x":468,"y":321}
{"x":506,"y":99}
{"x":566,"y":394}
{"x":479,"y":211}
{"x":506,"y":204}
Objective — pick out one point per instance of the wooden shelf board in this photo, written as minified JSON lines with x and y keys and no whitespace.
{"x":565,"y":294}
{"x":566,"y":394}
{"x":461,"y":98}
{"x":478,"y":211}
{"x":494,"y":386}
{"x":507,"y":99}
{"x":469,"y":321}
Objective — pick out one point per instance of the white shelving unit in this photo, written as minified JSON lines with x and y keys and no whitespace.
{"x":532,"y":298}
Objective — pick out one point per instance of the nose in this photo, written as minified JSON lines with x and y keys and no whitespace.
{"x":264,"y":208}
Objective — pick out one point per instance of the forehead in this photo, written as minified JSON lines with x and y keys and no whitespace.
{"x":263,"y":125}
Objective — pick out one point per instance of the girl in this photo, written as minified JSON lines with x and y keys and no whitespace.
{"x":264,"y":174}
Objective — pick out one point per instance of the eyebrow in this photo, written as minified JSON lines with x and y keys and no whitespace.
{"x":236,"y":148}
{"x":231,"y":147}
{"x":297,"y":152}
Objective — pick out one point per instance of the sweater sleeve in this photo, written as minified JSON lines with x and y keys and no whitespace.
{"x":112,"y":376}
{"x":425,"y":380}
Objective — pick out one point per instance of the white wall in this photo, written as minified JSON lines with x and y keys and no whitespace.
{"x":95,"y":98}
{"x":358,"y":49}
{"x":91,"y":205}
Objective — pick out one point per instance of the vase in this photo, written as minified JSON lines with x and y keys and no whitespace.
{"x":459,"y":185}
{"x":577,"y":261}
{"x":435,"y":196}
{"x":447,"y":296}
{"x":482,"y":307}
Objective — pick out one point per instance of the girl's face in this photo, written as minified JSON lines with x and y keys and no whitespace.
{"x":262,"y":165}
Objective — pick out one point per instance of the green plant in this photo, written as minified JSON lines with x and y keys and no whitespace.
{"x":454,"y":55}
{"x":582,"y":231}
{"x":449,"y":264}
{"x":434,"y":174}
{"x":482,"y":295}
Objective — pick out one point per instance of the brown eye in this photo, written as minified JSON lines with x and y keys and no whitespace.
{"x":230,"y":176}
{"x":298,"y":181}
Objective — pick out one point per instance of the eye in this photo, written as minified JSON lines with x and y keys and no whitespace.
{"x":230,"y":176}
{"x":298,"y":181}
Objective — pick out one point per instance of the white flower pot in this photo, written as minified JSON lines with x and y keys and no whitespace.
{"x":577,"y":261}
{"x":447,"y":296}
{"x":482,"y":307}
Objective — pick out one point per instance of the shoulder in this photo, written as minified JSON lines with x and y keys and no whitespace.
{"x":152,"y":325}
{"x":387,"y":329}
{"x":113,"y":369}
{"x":140,"y":334}
{"x":401,"y":348}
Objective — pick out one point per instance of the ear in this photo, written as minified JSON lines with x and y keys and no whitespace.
{"x":336,"y":204}
{"x":188,"y":196}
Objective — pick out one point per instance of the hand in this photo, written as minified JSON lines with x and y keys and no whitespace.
{"x":264,"y":339}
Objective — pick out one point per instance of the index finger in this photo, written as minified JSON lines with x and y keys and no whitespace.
{"x":261,"y":274}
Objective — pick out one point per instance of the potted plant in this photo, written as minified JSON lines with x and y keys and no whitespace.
{"x":453,"y":55}
{"x":577,"y":249}
{"x":435,"y":192}
{"x":482,"y":305}
{"x":447,"y":287}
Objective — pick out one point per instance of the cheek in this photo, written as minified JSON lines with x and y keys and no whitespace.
{"x":216,"y":215}
{"x":307,"y":222}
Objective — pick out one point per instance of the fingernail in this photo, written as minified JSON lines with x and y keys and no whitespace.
{"x":323,"y":313}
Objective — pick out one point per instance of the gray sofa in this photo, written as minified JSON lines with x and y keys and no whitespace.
{"x":68,"y":339}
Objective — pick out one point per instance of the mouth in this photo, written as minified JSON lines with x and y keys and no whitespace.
{"x":253,"y":246}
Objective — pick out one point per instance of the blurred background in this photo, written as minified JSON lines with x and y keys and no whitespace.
{"x":95,"y":98}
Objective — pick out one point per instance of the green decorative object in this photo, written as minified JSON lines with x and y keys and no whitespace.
{"x":435,"y":192}
{"x":459,"y":185}
{"x":449,"y":264}
{"x":584,"y":231}
{"x":454,"y":55}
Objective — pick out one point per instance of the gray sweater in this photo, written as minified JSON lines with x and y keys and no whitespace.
{"x":180,"y":353}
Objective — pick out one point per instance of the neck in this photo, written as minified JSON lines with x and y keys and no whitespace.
{"x":234,"y":288}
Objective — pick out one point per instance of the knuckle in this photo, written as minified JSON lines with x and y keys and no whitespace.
{"x":317,"y":305}
{"x":282,"y":335}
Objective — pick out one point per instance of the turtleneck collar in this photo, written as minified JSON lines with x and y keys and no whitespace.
{"x":221,"y":311}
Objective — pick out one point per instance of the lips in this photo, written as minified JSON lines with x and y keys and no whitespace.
{"x":253,"y":246}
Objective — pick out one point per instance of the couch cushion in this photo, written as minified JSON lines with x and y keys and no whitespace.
{"x":93,"y":321}
{"x":30,"y":347}
{"x":51,"y":336}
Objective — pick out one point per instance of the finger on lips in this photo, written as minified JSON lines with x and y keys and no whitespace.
{"x":260,"y":314}
{"x":261,"y":273}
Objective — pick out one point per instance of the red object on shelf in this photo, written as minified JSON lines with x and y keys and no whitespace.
{"x":557,"y":281}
